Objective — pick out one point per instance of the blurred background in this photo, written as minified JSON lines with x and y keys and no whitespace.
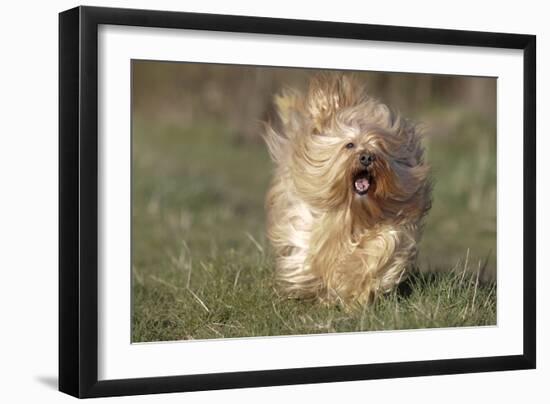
{"x":199,"y":160}
{"x":201,"y":171}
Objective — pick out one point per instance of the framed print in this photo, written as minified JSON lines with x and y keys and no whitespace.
{"x":251,"y":201}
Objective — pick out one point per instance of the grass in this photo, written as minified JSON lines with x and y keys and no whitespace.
{"x":233,"y":296}
{"x":202,"y":268}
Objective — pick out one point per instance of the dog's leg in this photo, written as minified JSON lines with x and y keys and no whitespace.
{"x":329,"y":245}
{"x":378,"y":263}
{"x":289,"y":230}
{"x":359,"y":270}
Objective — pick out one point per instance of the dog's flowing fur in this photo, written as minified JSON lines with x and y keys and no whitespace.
{"x":332,"y":243}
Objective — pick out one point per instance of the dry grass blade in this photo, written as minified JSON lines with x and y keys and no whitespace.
{"x":198,"y":299}
{"x":465,"y":265}
{"x":163,"y":282}
{"x":476,"y":285}
{"x":255,"y":242}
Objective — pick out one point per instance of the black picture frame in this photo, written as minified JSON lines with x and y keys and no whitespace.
{"x":78,"y":201}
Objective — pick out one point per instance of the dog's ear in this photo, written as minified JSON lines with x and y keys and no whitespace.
{"x":288,"y":104}
{"x":330,"y":92}
{"x":277,"y":132}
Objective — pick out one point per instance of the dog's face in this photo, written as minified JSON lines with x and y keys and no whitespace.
{"x":348,"y":151}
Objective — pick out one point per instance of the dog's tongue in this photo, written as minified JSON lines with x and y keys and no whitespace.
{"x":362,"y":184}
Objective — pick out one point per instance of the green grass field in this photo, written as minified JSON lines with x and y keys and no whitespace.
{"x":202,"y":268}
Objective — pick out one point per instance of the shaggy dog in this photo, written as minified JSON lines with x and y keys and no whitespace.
{"x":349,"y":193}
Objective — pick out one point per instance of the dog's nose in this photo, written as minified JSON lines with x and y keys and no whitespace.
{"x":366,"y":159}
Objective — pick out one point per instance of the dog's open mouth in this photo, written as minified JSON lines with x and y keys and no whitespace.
{"x":361,"y":182}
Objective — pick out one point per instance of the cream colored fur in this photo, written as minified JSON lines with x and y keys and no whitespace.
{"x":331,"y":243}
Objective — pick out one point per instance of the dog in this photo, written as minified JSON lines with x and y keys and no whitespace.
{"x":350,"y":190}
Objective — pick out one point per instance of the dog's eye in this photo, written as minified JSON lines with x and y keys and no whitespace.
{"x":350,"y":146}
